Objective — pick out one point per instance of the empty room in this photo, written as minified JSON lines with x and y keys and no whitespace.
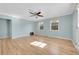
{"x":39,"y":29}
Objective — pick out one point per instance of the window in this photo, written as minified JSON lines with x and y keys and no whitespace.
{"x":41,"y":25}
{"x":54,"y":25}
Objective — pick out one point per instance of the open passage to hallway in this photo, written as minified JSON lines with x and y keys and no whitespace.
{"x":22,"y":46}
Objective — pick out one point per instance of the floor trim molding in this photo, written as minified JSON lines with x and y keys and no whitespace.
{"x":59,"y":37}
{"x":77,"y":47}
{"x":15,"y":37}
{"x":4,"y":37}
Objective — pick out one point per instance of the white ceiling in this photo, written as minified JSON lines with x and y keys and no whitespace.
{"x":50,"y":10}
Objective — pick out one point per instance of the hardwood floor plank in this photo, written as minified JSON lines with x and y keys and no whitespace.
{"x":0,"y":47}
{"x":22,"y":46}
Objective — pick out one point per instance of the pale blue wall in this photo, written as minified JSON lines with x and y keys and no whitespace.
{"x":21,"y":27}
{"x":3,"y":28}
{"x":65,"y":27}
{"x":75,"y":29}
{"x":74,"y":25}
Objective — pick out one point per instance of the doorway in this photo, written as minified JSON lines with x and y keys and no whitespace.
{"x":9,"y":28}
{"x":5,"y":28}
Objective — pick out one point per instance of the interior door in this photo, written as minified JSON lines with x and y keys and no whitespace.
{"x":9,"y":28}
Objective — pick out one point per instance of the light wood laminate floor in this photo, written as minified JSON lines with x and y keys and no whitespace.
{"x":21,"y":46}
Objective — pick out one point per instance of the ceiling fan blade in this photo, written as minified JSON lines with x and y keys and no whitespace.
{"x":35,"y":14}
{"x":41,"y":15}
{"x":32,"y":15}
{"x":38,"y":13}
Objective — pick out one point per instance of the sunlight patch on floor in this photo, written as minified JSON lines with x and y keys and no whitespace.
{"x":38,"y":44}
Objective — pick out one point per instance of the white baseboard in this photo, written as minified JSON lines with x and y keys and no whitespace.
{"x":62,"y":37}
{"x":77,"y":47}
{"x":15,"y":37}
{"x":3,"y":37}
{"x":56,"y":37}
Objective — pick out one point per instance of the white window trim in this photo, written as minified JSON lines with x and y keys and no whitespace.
{"x":50,"y":25}
{"x":39,"y":25}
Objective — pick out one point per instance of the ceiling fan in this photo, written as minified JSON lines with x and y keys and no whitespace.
{"x":35,"y":14}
